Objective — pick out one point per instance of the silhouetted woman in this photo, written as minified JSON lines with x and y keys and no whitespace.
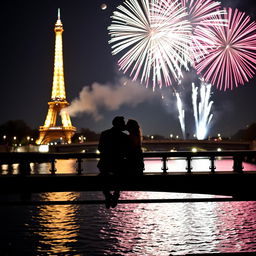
{"x":134,"y":157}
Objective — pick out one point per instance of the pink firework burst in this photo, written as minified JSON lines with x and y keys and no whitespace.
{"x":203,"y":12}
{"x":231,"y":57}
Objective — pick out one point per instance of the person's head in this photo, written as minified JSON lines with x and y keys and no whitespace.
{"x":134,"y":130}
{"x":132,"y":126}
{"x":119,"y":123}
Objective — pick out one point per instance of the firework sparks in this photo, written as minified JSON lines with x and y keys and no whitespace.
{"x":202,"y":109}
{"x":231,"y":52}
{"x":203,"y":14}
{"x":181,"y":114}
{"x":155,"y":35}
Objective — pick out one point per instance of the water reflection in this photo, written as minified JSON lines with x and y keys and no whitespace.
{"x":238,"y":220}
{"x":161,"y":229}
{"x":66,"y":166}
{"x":129,"y":229}
{"x":57,"y":225}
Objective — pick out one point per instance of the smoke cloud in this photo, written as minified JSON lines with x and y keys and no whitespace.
{"x":92,"y":99}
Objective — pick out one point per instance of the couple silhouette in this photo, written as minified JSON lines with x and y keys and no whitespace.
{"x":120,"y":153}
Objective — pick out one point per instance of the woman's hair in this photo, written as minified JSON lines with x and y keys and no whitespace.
{"x":134,"y":129}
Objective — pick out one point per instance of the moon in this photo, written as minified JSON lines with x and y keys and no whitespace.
{"x":103,"y":6}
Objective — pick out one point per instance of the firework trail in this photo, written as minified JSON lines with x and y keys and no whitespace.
{"x":181,"y":114}
{"x":231,"y":51}
{"x":155,"y":36}
{"x":202,"y":109}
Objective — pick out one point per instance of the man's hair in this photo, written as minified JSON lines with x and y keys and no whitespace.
{"x":118,"y":121}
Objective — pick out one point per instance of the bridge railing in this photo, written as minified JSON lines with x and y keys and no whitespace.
{"x":238,"y":158}
{"x":24,"y":159}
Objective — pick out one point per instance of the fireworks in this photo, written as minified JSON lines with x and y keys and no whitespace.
{"x":181,"y":114}
{"x":203,"y":14}
{"x":231,"y":52}
{"x":202,"y":109}
{"x":158,"y":39}
{"x":155,"y":36}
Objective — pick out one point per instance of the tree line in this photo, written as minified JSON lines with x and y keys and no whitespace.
{"x":17,"y":132}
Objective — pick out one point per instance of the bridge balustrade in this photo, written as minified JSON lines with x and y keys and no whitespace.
{"x":236,"y":182}
{"x":24,"y":159}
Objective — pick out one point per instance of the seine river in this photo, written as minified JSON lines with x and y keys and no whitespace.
{"x":155,"y":229}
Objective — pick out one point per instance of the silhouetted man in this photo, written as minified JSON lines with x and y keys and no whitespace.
{"x":113,"y":150}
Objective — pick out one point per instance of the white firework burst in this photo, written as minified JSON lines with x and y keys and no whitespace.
{"x":155,"y":35}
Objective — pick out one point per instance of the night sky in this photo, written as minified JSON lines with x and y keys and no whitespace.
{"x":27,"y":53}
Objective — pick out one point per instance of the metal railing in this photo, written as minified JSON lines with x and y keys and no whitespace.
{"x":24,"y":159}
{"x":238,"y":185}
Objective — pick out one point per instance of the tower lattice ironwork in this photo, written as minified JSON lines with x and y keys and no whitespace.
{"x":50,"y":131}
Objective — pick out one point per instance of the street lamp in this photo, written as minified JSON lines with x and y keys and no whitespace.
{"x":4,"y":139}
{"x":14,"y":141}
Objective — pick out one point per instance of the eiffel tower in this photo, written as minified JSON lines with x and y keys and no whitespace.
{"x":50,"y":131}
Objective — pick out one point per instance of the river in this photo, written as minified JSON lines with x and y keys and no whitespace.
{"x":155,"y":229}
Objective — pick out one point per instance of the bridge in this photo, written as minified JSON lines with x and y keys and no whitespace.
{"x":238,"y":184}
{"x":165,"y":145}
{"x":187,"y":145}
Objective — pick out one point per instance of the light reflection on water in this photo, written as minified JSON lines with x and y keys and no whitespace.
{"x":143,"y":229}
{"x":56,"y":223}
{"x":129,"y":229}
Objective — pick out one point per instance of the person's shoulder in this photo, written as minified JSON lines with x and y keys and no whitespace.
{"x":104,"y":134}
{"x":106,"y":131}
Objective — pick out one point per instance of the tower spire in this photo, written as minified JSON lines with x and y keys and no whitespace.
{"x":58,"y":88}
{"x":50,"y":130}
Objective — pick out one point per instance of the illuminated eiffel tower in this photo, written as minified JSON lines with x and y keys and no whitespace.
{"x":50,"y":131}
